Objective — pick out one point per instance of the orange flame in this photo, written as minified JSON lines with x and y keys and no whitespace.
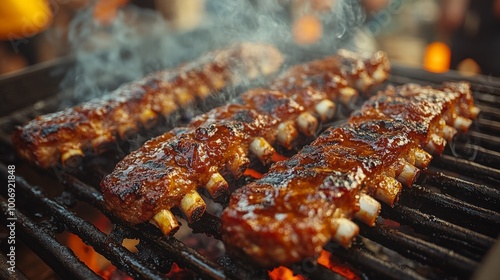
{"x":307,"y":30}
{"x":89,"y":256}
{"x":252,"y":173}
{"x":437,"y":57}
{"x":327,"y":260}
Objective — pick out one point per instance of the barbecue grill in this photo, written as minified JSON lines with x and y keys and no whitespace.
{"x":445,"y":227}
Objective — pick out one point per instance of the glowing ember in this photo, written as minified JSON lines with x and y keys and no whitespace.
{"x":278,"y":157}
{"x":252,"y":173}
{"x":178,"y":273}
{"x":327,"y":260}
{"x":283,"y":273}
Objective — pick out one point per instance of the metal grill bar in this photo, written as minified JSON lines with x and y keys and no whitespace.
{"x":424,"y":251}
{"x":453,"y":210}
{"x":473,"y":193}
{"x":370,"y":263}
{"x":469,"y":243}
{"x":116,"y":253}
{"x":469,"y":168}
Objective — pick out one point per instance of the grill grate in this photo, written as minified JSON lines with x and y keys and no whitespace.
{"x":441,"y":228}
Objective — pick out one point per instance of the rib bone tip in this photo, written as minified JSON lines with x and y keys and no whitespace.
{"x":72,"y":158}
{"x":408,"y":173}
{"x":474,"y":112}
{"x":193,"y":206}
{"x":166,"y":222}
{"x":307,"y":124}
{"x":325,"y":109}
{"x":262,"y":150}
{"x":369,"y":209}
{"x":286,"y":133}
{"x":345,"y":231}
{"x":217,"y":185}
{"x":462,"y":123}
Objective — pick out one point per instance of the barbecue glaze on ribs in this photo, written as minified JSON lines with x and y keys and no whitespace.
{"x":167,"y":170}
{"x":66,"y":135}
{"x":303,"y":202}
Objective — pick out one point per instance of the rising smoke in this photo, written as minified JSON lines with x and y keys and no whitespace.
{"x":140,"y":41}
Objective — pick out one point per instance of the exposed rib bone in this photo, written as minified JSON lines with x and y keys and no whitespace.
{"x":166,"y":222}
{"x":449,"y":132}
{"x":217,"y":185}
{"x":386,"y":189}
{"x":364,"y":82}
{"x":436,"y":144}
{"x":262,"y":150}
{"x":462,"y":123}
{"x":422,"y":158}
{"x":325,"y":109}
{"x":72,"y":157}
{"x":345,"y":230}
{"x":407,"y":173}
{"x":348,"y":95}
{"x":369,"y":209}
{"x":102,"y":143}
{"x":193,"y":206}
{"x":474,"y":111}
{"x":286,"y":134}
{"x":307,"y":124}
{"x":148,"y":118}
{"x":380,"y":75}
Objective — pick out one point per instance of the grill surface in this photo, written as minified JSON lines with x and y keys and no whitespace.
{"x":441,"y":228}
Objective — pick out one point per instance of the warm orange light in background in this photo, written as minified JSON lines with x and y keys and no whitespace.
{"x":105,"y":10}
{"x":468,"y":67}
{"x":307,"y":30}
{"x":23,"y":18}
{"x":437,"y":57}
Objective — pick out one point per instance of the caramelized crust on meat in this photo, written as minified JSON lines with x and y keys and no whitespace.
{"x":93,"y":125}
{"x":291,"y":212}
{"x":157,"y":176}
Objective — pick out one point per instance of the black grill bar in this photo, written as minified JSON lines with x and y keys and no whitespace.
{"x":469,"y":168}
{"x":487,"y":141}
{"x":59,"y":257}
{"x":117,"y":254}
{"x":469,"y":243}
{"x":425,"y":252}
{"x":476,"y":153}
{"x":183,"y":255}
{"x":371,"y":263}
{"x":453,"y":210}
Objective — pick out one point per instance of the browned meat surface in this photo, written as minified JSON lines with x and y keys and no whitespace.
{"x":157,"y":177}
{"x":301,"y":203}
{"x":65,"y":136}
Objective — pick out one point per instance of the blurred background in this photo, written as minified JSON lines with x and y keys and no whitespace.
{"x":433,"y":34}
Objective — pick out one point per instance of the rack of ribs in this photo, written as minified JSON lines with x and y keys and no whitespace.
{"x":67,"y":135}
{"x":167,"y":170}
{"x":305,"y":201}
